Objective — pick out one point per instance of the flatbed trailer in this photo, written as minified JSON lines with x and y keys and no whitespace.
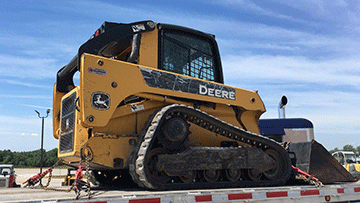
{"x":344,"y":192}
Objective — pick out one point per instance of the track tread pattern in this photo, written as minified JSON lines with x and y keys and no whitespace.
{"x":209,"y":122}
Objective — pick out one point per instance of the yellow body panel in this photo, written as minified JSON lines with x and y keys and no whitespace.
{"x":56,"y":112}
{"x":107,"y":148}
{"x":149,"y":49}
{"x":122,"y":123}
{"x":356,"y":166}
{"x":130,"y":81}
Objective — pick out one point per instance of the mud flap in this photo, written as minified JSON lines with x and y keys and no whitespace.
{"x":314,"y":159}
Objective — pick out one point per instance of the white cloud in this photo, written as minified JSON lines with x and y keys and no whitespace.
{"x":317,"y":6}
{"x":34,"y":57}
{"x":250,"y":6}
{"x":294,"y":69}
{"x":39,"y":45}
{"x":35,"y":106}
{"x":26,"y":67}
{"x":22,"y":133}
{"x":40,"y":97}
{"x":26,"y":84}
{"x":251,"y":39}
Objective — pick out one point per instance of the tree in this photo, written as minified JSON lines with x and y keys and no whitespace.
{"x":349,"y":147}
{"x":357,"y":150}
{"x":28,"y":159}
{"x":334,"y":150}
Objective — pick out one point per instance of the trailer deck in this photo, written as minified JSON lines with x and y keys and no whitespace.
{"x":344,"y":192}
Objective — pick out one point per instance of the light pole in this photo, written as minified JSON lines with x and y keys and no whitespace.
{"x":42,"y":139}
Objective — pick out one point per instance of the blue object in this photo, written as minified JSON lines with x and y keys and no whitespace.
{"x":274,"y":128}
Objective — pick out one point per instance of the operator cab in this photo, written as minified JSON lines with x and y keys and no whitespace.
{"x":344,"y":157}
{"x":168,"y":47}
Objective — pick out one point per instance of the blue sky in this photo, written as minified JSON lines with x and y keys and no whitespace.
{"x":306,"y":50}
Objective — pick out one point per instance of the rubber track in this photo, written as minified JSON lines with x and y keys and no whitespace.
{"x":145,"y":141}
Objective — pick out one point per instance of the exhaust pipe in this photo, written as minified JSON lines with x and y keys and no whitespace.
{"x":282,"y":105}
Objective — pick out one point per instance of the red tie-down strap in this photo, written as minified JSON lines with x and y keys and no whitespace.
{"x":307,"y":177}
{"x":33,"y":180}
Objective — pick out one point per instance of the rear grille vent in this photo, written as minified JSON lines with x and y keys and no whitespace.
{"x":67,"y":124}
{"x":2,"y":183}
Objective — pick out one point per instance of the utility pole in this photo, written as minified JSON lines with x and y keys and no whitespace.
{"x":42,"y":139}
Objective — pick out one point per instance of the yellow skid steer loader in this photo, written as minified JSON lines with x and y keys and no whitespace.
{"x":151,"y":107}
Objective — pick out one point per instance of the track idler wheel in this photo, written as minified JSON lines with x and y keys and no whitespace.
{"x":151,"y":168}
{"x":278,"y":169}
{"x":174,"y":131}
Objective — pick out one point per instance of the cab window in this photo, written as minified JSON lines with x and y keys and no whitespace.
{"x":188,"y":55}
{"x":341,"y":159}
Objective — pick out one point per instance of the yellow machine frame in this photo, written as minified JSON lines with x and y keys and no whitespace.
{"x":109,"y":135}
